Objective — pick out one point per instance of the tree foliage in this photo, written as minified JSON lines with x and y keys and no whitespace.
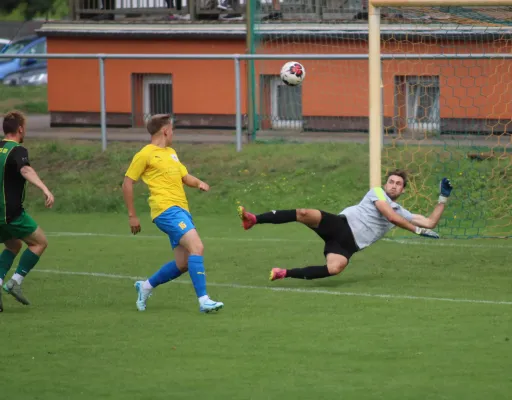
{"x":30,"y":8}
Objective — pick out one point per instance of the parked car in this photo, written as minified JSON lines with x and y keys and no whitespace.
{"x":33,"y":75}
{"x":3,"y":43}
{"x":28,"y":45}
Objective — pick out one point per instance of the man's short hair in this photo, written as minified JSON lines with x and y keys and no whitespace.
{"x":398,"y":172}
{"x":157,"y":122}
{"x":13,"y":120}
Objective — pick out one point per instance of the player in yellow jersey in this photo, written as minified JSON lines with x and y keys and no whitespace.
{"x":161,"y":170}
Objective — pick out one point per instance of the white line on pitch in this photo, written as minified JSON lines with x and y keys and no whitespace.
{"x":412,"y":242}
{"x":281,"y":289}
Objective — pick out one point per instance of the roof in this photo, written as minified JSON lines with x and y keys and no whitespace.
{"x":231,"y":30}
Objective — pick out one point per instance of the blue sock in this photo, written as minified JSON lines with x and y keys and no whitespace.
{"x":196,"y":271}
{"x":167,"y":273}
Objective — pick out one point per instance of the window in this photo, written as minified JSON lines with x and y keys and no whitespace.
{"x":285,"y":104}
{"x":422,"y":103}
{"x":157,"y":93}
{"x":16,"y":47}
{"x":39,"y":48}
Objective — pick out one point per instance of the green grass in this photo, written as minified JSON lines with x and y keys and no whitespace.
{"x":419,"y":319}
{"x":86,"y":179}
{"x":30,"y":99}
{"x":83,"y":339}
{"x":326,"y":176}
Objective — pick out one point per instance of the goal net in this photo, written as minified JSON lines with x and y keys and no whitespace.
{"x":446,"y":97}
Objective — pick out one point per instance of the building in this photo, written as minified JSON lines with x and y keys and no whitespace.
{"x":446,"y":94}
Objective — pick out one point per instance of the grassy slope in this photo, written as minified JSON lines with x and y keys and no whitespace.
{"x":85,"y":179}
{"x":30,"y":99}
{"x":269,"y":176}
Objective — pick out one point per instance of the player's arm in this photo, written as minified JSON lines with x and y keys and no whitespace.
{"x":431,"y":221}
{"x":193,"y":182}
{"x":31,"y":175}
{"x":134,"y":172}
{"x":396,"y":219}
{"x":20,"y":156}
{"x":128,"y":200}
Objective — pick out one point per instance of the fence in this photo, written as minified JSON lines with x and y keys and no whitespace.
{"x":206,"y":9}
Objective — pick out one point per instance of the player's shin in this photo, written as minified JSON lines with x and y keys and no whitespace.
{"x":28,"y":261}
{"x":166,"y":273}
{"x":6,"y":259}
{"x":277,"y":217}
{"x":308,"y":273}
{"x":197,"y":275}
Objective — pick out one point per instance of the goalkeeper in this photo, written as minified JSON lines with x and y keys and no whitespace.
{"x":355,"y":227}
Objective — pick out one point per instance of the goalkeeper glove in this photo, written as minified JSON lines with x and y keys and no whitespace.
{"x":426,"y":233}
{"x":445,"y":188}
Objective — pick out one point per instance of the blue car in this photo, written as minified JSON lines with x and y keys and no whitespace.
{"x":28,"y":45}
{"x":35,"y":75}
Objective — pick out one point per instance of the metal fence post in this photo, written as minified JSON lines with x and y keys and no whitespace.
{"x":238,"y":118}
{"x":103,"y":111}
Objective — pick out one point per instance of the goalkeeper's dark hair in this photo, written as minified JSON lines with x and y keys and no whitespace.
{"x":157,"y":122}
{"x":398,"y":172}
{"x":13,"y":120}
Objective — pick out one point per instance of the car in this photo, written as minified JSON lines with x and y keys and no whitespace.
{"x":27,"y":45}
{"x":33,"y":75}
{"x":3,"y":43}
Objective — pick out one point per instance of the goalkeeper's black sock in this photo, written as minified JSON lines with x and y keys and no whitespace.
{"x":277,"y":217}
{"x":308,"y":273}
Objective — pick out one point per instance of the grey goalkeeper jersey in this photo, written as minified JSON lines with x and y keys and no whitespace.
{"x":367,"y":223}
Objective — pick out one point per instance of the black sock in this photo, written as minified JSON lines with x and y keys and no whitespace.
{"x":277,"y":217}
{"x":308,"y":272}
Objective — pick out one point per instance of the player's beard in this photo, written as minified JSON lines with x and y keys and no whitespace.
{"x":393,"y":196}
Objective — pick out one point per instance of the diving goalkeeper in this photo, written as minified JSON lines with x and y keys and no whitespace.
{"x":355,"y":227}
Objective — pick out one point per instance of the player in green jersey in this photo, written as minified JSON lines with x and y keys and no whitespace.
{"x":16,"y":226}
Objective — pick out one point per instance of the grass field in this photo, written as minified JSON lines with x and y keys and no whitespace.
{"x":424,"y":320}
{"x":29,"y":99}
{"x":413,"y":319}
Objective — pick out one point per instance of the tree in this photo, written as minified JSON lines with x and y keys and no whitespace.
{"x":30,"y":8}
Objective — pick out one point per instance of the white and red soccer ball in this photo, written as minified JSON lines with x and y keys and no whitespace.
{"x":293,"y":73}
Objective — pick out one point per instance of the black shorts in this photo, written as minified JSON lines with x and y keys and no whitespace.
{"x":337,"y":235}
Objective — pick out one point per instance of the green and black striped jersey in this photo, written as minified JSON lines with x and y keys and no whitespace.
{"x":13,"y":157}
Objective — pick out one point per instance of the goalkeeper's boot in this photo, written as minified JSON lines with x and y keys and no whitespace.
{"x":277,"y":273}
{"x":209,"y":305}
{"x":248,"y":219}
{"x":142,"y":295}
{"x":14,"y":289}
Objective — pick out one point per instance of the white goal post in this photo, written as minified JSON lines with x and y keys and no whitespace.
{"x":375,"y":67}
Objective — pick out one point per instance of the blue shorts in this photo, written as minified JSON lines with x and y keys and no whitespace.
{"x":175,"y":222}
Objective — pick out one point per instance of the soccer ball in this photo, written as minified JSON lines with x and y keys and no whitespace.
{"x":293,"y":73}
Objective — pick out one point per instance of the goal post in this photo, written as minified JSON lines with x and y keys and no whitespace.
{"x":448,"y":107}
{"x":375,"y":95}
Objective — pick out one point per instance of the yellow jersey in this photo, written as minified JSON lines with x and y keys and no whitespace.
{"x":162,"y":171}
